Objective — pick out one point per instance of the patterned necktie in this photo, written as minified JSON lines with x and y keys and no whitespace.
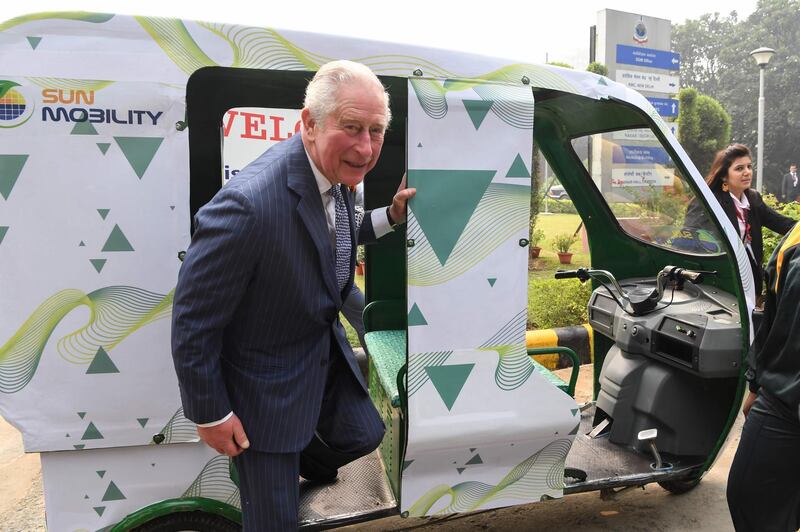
{"x":343,"y":243}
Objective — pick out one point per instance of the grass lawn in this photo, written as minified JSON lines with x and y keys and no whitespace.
{"x":540,"y":268}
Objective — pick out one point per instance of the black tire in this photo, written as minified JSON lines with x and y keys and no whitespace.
{"x":190,"y":521}
{"x":680,"y":486}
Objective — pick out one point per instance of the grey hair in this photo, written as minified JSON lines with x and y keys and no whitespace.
{"x":322,"y":90}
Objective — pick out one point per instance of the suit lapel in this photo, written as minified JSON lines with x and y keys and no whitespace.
{"x":309,"y":207}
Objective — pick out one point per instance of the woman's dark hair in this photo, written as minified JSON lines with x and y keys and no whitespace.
{"x":723,"y":161}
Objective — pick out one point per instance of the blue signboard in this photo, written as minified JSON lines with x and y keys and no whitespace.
{"x":640,"y":155}
{"x":666,"y":107}
{"x":647,"y":57}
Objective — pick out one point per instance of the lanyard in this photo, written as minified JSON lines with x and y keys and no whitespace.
{"x":740,"y":214}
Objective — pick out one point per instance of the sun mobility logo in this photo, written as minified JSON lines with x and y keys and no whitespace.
{"x":81,"y":109}
{"x":15,"y":108}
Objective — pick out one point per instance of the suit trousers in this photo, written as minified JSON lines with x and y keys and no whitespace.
{"x":763,"y":492}
{"x":268,"y":482}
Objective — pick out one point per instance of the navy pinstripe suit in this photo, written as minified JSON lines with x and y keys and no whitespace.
{"x":256,"y":329}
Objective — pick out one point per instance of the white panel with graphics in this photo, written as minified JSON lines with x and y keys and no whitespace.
{"x":485,"y":429}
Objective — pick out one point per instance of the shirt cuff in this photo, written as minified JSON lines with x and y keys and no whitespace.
{"x":380,"y":222}
{"x":215,"y":423}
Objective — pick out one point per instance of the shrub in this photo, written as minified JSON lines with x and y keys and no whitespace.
{"x":557,"y":302}
{"x":537,"y":235}
{"x":563,"y":241}
{"x":563,"y":206}
{"x":771,"y":238}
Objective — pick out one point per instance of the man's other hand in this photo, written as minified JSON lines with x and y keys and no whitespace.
{"x":397,"y":211}
{"x":227,"y":438}
{"x":748,"y":403}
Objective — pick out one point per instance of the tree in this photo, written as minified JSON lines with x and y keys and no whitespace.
{"x":596,"y":67}
{"x":704,"y":127}
{"x":715,"y":60}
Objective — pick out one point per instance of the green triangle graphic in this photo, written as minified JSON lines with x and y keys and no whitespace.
{"x":79,"y":447}
{"x":98,"y":264}
{"x":575,"y":411}
{"x":34,"y":41}
{"x":101,"y":474}
{"x":100,"y":510}
{"x":492,"y":280}
{"x":83,"y":128}
{"x":152,"y":465}
{"x":475,"y":460}
{"x":85,"y":496}
{"x":472,"y":449}
{"x":172,"y":207}
{"x":575,"y":430}
{"x":3,"y":231}
{"x":461,"y":469}
{"x":103,"y":213}
{"x":602,"y":81}
{"x":82,"y":414}
{"x":82,"y":244}
{"x":477,"y":110}
{"x":92,"y":433}
{"x":102,"y":363}
{"x":67,"y":435}
{"x":407,"y":463}
{"x":448,"y":380}
{"x":103,"y":146}
{"x":113,"y":493}
{"x":419,"y":145}
{"x":445,"y":202}
{"x":139,"y":151}
{"x":142,"y":421}
{"x":415,"y":317}
{"x":117,"y":241}
{"x":10,"y":168}
{"x":518,"y":168}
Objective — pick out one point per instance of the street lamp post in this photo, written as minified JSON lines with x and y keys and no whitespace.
{"x":762,"y":56}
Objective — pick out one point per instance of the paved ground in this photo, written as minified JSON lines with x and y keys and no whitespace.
{"x":650,"y":509}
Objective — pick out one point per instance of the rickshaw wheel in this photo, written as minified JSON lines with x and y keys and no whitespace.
{"x":677,"y":487}
{"x":190,"y":522}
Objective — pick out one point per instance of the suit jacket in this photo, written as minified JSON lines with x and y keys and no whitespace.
{"x":255,"y":315}
{"x":789,"y":191}
{"x":759,"y":215}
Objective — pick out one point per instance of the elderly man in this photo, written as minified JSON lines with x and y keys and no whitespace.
{"x":263,"y":363}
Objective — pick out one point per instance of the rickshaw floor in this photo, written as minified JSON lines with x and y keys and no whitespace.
{"x":361,"y":489}
{"x":605,"y":462}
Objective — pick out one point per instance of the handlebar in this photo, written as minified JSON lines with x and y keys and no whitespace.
{"x":639,"y":303}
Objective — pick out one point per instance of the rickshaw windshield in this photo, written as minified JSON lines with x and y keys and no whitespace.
{"x":646,"y":191}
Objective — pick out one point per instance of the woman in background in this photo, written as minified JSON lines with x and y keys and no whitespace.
{"x":729,"y":179}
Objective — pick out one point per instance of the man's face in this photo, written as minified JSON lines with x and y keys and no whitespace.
{"x":793,"y":169}
{"x":346,"y":145}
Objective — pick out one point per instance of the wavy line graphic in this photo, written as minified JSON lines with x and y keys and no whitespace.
{"x":254,"y":47}
{"x":115,"y":313}
{"x":514,"y":366}
{"x":432,"y":97}
{"x":67,"y":83}
{"x":179,"y":429}
{"x":541,"y":474}
{"x":215,"y":482}
{"x":417,"y":376}
{"x":502,"y":212}
{"x":82,"y":16}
